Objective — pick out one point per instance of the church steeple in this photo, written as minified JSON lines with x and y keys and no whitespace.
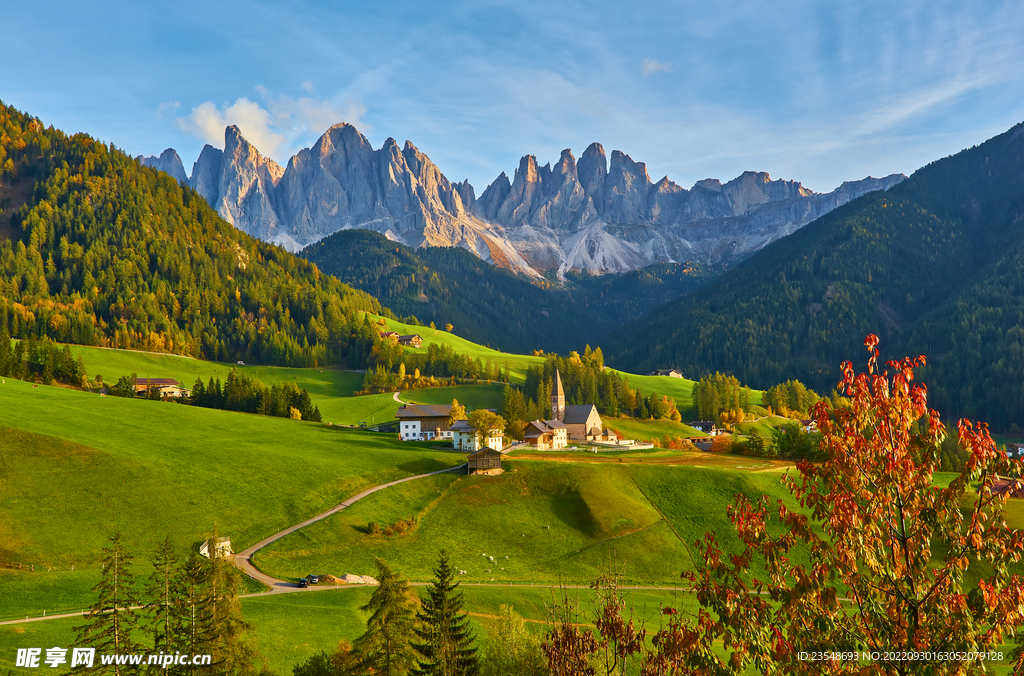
{"x":558,"y":399}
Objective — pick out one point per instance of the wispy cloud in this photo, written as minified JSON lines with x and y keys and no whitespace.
{"x":277,"y":127}
{"x":651,"y":66}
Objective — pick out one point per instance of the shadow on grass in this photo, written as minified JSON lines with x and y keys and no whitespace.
{"x":425,"y":465}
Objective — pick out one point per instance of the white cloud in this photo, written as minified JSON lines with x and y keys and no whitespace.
{"x":207,"y":122}
{"x":276,"y":128}
{"x":308,"y":86}
{"x":167,"y":106}
{"x":651,"y":66}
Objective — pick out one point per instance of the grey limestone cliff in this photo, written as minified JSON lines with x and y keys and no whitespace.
{"x":599,"y":214}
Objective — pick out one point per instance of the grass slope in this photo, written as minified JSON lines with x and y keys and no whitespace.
{"x":517,"y":363}
{"x":75,"y":467}
{"x":553,"y":520}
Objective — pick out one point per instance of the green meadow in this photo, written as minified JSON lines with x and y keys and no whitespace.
{"x":648,"y":430}
{"x":541,"y":521}
{"x":517,"y":363}
{"x":75,"y":467}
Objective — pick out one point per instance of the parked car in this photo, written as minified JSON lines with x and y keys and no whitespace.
{"x":303,"y":582}
{"x":313,"y":579}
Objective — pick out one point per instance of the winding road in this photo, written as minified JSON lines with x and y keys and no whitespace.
{"x":243,"y":560}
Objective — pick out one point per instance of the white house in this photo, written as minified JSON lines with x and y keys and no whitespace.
{"x":467,"y":438}
{"x":424,"y":423}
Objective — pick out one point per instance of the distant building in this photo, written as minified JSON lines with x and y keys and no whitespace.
{"x":168,"y":387}
{"x":412,"y":340}
{"x":221,"y":546}
{"x":547,"y":435}
{"x":705,"y":426}
{"x":468,"y":438}
{"x":671,"y":373}
{"x":486,"y":461}
{"x":809,"y":425}
{"x":424,"y":423}
{"x":390,"y":335}
{"x":1015,"y":451}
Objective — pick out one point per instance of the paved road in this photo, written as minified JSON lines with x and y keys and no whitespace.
{"x":243,"y":560}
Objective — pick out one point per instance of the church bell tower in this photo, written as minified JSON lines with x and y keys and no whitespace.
{"x":558,"y":399}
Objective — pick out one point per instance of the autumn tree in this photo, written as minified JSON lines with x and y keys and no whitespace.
{"x":458,"y":412}
{"x":877,"y":559}
{"x":513,"y":650}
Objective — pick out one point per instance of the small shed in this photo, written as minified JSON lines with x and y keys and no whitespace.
{"x":486,"y":461}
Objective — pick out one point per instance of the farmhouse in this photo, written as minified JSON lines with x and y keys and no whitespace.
{"x":671,"y":373}
{"x":424,"y":423}
{"x":705,"y":426}
{"x":486,"y":461}
{"x":547,"y":435}
{"x":468,"y":438}
{"x":412,"y":340}
{"x":390,"y":335}
{"x":168,"y":387}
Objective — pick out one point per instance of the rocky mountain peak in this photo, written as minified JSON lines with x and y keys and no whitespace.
{"x":168,"y":162}
{"x":596,"y":213}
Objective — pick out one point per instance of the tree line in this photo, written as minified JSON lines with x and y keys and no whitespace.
{"x":108,"y":252}
{"x":187,"y":605}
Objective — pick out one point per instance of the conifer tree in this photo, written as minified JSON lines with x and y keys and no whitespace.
{"x":162,"y":598}
{"x":445,"y":639}
{"x":384,"y":648}
{"x":113,"y":618}
{"x":232,"y":652}
{"x":193,"y":616}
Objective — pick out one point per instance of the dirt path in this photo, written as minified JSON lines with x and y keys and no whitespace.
{"x":243,"y":560}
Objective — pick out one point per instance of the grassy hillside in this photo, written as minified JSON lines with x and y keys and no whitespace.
{"x":517,"y":363}
{"x":76,"y":467}
{"x":553,"y":520}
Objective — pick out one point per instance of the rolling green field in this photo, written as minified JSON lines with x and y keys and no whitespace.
{"x":552,"y":520}
{"x":75,"y":467}
{"x":766,"y":427}
{"x":647,"y":430}
{"x":517,"y":363}
{"x":486,"y":395}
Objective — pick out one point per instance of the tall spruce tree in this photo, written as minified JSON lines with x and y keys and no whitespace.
{"x":232,"y":652}
{"x":384,"y":648}
{"x":161,"y":594}
{"x":445,"y":639}
{"x":112,"y":619}
{"x":193,"y":612}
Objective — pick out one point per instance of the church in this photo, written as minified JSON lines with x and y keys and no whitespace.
{"x":581,"y":422}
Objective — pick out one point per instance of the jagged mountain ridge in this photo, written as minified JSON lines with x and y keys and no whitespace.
{"x":592,"y":215}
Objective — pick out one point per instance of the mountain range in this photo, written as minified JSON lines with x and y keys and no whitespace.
{"x":934,"y":266}
{"x":599,"y":214}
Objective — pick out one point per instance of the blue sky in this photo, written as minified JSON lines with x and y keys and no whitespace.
{"x":818,"y":92}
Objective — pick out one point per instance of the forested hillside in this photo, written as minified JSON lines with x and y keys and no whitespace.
{"x":493,"y":306}
{"x":933,"y":266}
{"x":97,"y":249}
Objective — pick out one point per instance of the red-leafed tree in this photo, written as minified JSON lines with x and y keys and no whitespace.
{"x":880,"y":559}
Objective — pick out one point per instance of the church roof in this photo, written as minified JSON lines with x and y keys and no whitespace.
{"x":577,"y":414}
{"x":559,"y":392}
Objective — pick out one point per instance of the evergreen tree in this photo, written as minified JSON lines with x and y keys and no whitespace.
{"x":446,"y":642}
{"x":193,"y":612}
{"x":161,"y":594}
{"x":113,"y":618}
{"x":385,"y":647}
{"x":232,"y":653}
